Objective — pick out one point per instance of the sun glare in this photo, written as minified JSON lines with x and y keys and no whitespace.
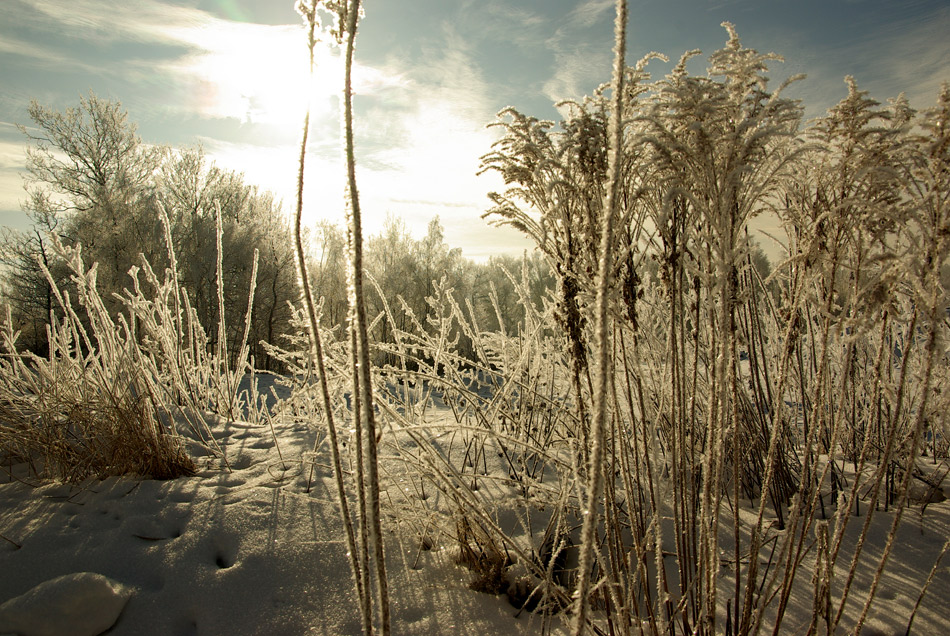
{"x":259,"y":74}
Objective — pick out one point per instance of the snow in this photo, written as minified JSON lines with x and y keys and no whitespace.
{"x":241,"y":552}
{"x":82,"y":604}
{"x":251,"y":551}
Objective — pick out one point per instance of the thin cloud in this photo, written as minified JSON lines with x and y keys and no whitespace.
{"x":581,"y":62}
{"x":41,"y":55}
{"x":588,"y":13}
{"x":502,"y":22}
{"x":435,"y":142}
{"x":418,"y":146}
{"x":12,"y":160}
{"x":212,"y":68}
{"x":501,"y":12}
{"x":454,"y":76}
{"x":906,"y":52}
{"x":722,"y":4}
{"x":915,"y":57}
{"x":259,"y":74}
{"x":132,"y":20}
{"x":580,"y":69}
{"x":12,"y":155}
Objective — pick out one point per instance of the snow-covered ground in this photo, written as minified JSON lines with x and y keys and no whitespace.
{"x":251,"y":551}
{"x":241,"y":552}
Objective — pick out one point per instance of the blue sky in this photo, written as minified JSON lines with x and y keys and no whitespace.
{"x":230,"y":74}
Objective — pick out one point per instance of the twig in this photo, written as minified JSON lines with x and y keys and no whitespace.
{"x":18,"y":546}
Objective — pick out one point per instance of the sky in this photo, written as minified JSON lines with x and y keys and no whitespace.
{"x":231,"y":75}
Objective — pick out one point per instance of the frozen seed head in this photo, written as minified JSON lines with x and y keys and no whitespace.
{"x":733,"y":44}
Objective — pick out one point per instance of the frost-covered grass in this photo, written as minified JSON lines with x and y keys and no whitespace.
{"x":482,"y":467}
{"x":257,"y":549}
{"x":116,"y":392}
{"x":260,"y":548}
{"x":736,"y":400}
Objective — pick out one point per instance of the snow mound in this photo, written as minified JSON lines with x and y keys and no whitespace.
{"x":82,"y":604}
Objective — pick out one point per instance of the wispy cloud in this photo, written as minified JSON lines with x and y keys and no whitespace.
{"x":442,"y":136}
{"x":717,"y":5}
{"x":579,"y":68}
{"x":589,"y":12}
{"x":914,"y":55}
{"x":419,"y":141}
{"x":440,"y":133}
{"x":210,"y":67}
{"x":581,"y":59}
{"x":12,"y":160}
{"x":906,"y":52}
{"x":136,"y":20}
{"x":252,"y":73}
{"x":504,"y":22}
{"x":11,"y":45}
{"x":12,"y":155}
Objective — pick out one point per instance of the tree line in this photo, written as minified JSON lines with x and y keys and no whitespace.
{"x":93,"y":182}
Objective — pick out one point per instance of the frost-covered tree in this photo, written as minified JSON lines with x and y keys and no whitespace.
{"x":328,"y":248}
{"x":27,"y":292}
{"x":98,"y":186}
{"x":87,"y":166}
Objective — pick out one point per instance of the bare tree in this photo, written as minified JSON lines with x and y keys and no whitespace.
{"x":90,"y":169}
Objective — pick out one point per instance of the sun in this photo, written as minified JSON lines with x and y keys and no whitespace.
{"x":258,"y":74}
